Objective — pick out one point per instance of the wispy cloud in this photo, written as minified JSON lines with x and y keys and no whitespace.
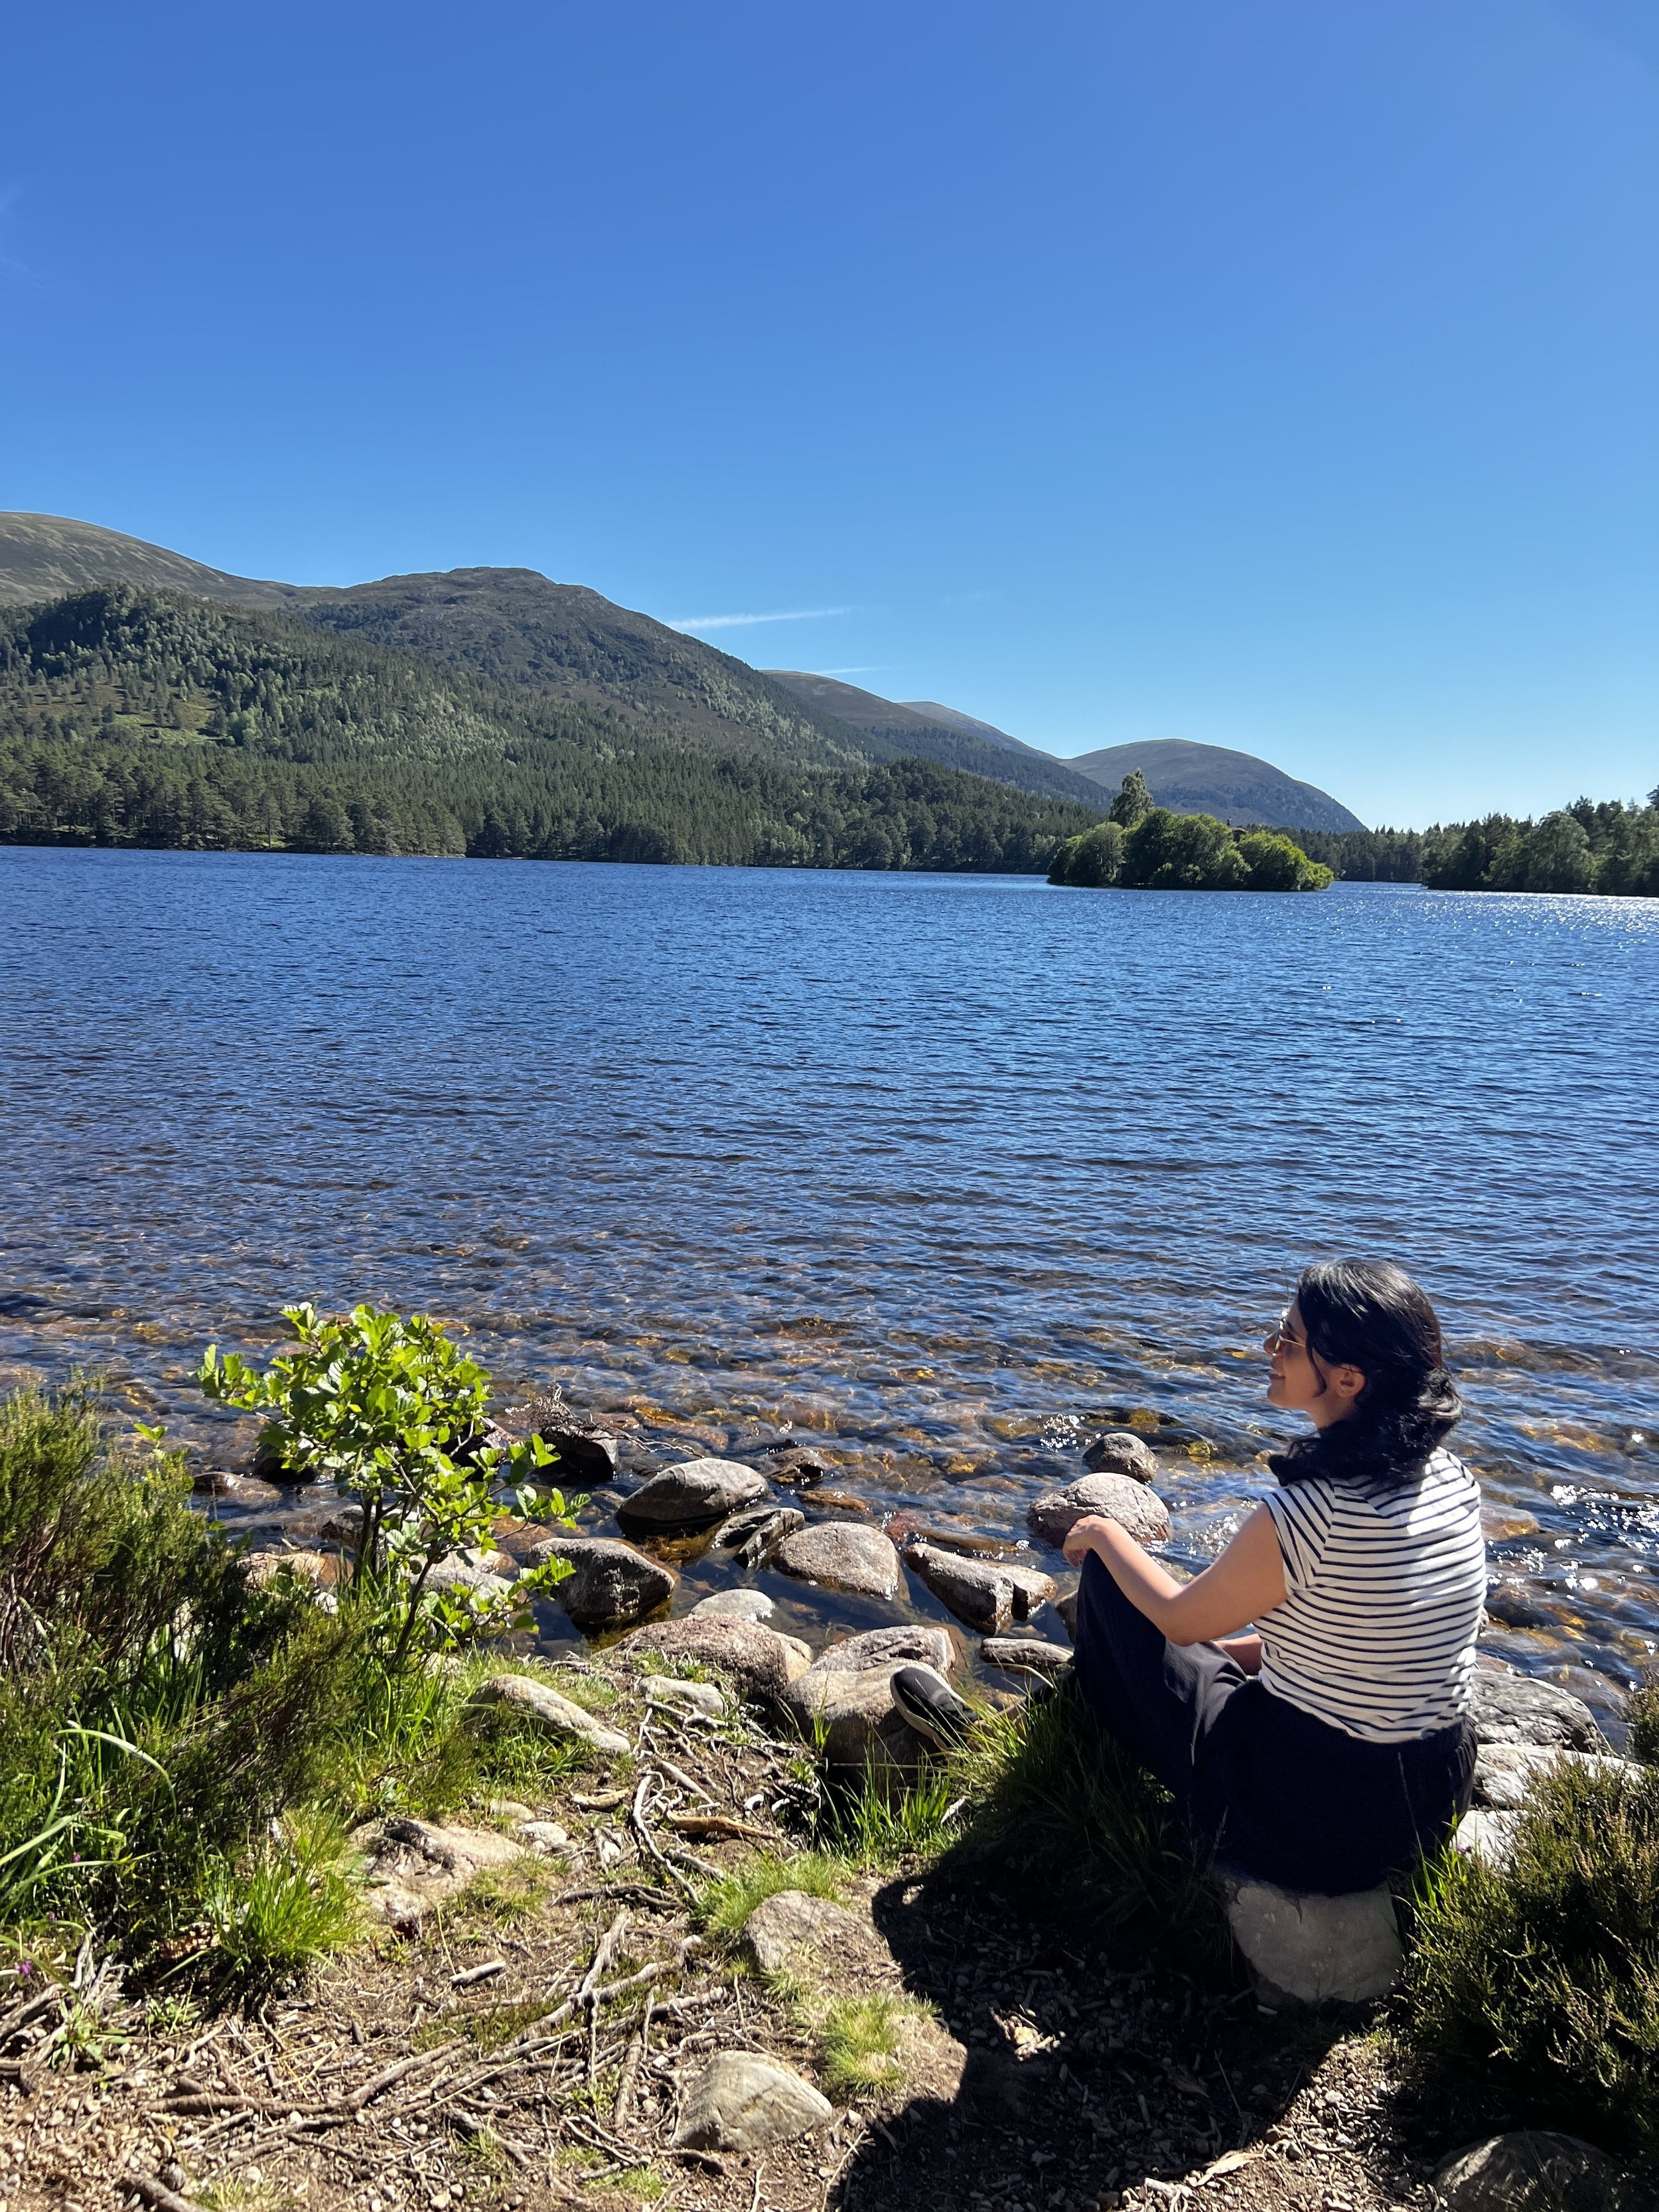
{"x":747,"y":621}
{"x":10,"y":264}
{"x":866,"y":668}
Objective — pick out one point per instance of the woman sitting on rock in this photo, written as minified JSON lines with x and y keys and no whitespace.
{"x":1324,"y":1751}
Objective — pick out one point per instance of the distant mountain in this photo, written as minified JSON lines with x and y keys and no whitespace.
{"x":1238,"y":788}
{"x":941,"y":733}
{"x":44,"y":557}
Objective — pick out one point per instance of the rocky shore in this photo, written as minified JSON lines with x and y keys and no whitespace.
{"x":718,"y":1959}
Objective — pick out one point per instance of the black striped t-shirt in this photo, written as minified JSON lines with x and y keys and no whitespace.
{"x":1385,"y":1583}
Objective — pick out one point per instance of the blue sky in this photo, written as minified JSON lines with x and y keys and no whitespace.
{"x":1283,"y":375}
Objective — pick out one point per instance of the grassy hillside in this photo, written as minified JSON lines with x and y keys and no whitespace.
{"x":956,"y":740}
{"x":1237,"y":787}
{"x":131,"y":717}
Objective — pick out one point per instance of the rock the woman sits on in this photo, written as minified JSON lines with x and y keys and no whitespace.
{"x":1324,"y":1751}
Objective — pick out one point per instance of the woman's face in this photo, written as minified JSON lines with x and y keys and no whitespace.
{"x":1300,"y":1384}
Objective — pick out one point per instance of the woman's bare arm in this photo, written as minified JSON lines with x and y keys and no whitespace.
{"x":1247,"y":1581}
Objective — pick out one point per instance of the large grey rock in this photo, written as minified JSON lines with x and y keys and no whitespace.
{"x":1026,"y":1652}
{"x":733,"y":1605}
{"x":533,"y":1701}
{"x":1534,"y":2170}
{"x":1507,"y":1775}
{"x":1313,"y":1948}
{"x":613,"y":1584}
{"x":741,"y":2103}
{"x":1065,"y":1606}
{"x":1121,"y":1451}
{"x":851,"y":1714}
{"x":1521,"y":1709}
{"x":973,"y":1590}
{"x":800,"y":1466}
{"x":1120,"y":1497}
{"x":779,"y":1930}
{"x":760,"y":1662}
{"x":914,"y":1645}
{"x":1489,"y":1837}
{"x":698,"y":1489}
{"x":842,"y":1555}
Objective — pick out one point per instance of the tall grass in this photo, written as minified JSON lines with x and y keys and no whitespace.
{"x":169,"y":1734}
{"x":1045,"y":1779}
{"x":1542,"y":1978}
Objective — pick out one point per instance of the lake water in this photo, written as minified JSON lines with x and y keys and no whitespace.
{"x":935,"y":1167}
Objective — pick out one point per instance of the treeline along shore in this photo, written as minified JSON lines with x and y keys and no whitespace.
{"x":144,"y":719}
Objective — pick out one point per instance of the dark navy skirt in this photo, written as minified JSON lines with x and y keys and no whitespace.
{"x":1263,"y":1786}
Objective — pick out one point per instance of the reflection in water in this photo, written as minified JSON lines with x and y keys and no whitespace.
{"x":939,"y":1171}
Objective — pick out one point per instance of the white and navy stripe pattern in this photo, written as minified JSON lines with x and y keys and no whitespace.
{"x":1386,"y":1584}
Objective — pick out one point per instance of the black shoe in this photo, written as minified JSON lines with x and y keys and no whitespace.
{"x":926,"y":1701}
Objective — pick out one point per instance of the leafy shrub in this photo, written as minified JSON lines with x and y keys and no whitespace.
{"x":1276,"y":863}
{"x":390,"y":1410}
{"x":1543,"y":1978}
{"x":1091,"y":861}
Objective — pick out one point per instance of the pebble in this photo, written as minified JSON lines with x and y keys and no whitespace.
{"x":782,"y":1926}
{"x":694,"y":1697}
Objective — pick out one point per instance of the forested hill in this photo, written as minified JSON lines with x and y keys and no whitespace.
{"x":134,"y":717}
{"x":510,"y":626}
{"x":515,"y":628}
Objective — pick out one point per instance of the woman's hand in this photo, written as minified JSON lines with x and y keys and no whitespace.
{"x":1247,"y":1581}
{"x":1084,"y":1536}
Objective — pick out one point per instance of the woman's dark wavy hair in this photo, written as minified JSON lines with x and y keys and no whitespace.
{"x":1369,"y":1313}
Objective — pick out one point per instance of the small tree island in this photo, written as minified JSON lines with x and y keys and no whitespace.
{"x":1142,"y":847}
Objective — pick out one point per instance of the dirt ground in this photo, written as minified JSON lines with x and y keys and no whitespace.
{"x":527,"y":2045}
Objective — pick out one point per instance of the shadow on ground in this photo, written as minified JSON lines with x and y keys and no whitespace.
{"x":1090,"y":2076}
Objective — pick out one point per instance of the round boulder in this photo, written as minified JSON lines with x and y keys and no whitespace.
{"x":1521,"y":1709}
{"x":1534,"y":2170}
{"x":760,"y":1662}
{"x":612,"y":1583}
{"x":1137,"y":1510}
{"x":739,"y":2102}
{"x":698,"y":1489}
{"x":841,"y":1555}
{"x":1121,"y":1451}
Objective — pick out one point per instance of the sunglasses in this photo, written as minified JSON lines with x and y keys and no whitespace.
{"x":1278,"y":1337}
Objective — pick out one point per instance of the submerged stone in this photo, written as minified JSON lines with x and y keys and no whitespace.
{"x":1121,"y":1451}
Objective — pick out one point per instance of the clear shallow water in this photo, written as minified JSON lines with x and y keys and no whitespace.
{"x":929,"y":1166}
